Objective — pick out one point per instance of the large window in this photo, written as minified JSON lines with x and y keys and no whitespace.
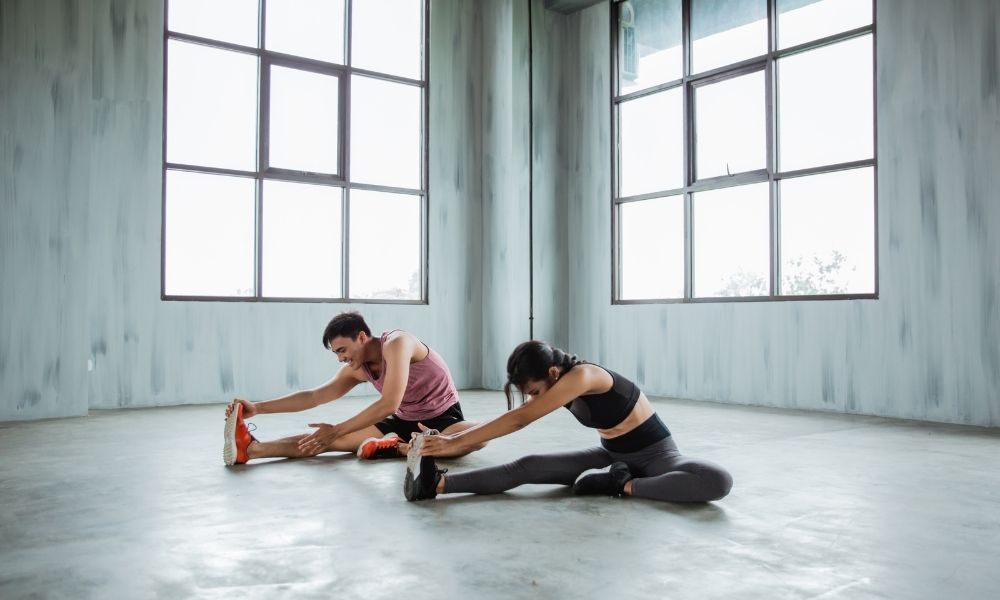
{"x":295,"y":150}
{"x":744,"y":155}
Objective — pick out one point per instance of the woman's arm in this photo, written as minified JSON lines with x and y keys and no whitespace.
{"x":575,"y":383}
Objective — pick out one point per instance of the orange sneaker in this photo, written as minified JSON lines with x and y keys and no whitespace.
{"x":386,"y":446}
{"x":237,"y":438}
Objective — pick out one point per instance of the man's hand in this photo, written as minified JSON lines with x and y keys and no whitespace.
{"x":319,"y":440}
{"x":249,"y":409}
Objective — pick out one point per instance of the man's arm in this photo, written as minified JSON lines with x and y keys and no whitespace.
{"x":341,"y":383}
{"x":397,"y":351}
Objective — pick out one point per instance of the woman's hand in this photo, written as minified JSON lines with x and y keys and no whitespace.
{"x":249,"y":409}
{"x":319,"y":440}
{"x":439,"y":445}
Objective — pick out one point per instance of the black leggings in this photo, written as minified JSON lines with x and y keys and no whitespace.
{"x":661,"y":472}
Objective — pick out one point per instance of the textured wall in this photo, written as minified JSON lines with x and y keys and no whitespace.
{"x":553,"y":50}
{"x":80,"y":200}
{"x":80,"y":160}
{"x":45,"y":127}
{"x":504,"y":89}
{"x":927,"y":349}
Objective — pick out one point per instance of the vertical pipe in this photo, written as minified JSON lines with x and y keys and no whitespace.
{"x":531,"y":180}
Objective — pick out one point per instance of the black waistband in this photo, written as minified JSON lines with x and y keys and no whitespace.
{"x":651,"y":431}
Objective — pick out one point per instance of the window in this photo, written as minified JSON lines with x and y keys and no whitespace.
{"x":744,"y":156}
{"x":295,"y":150}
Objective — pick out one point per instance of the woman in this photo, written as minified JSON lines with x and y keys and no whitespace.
{"x":644,"y":460}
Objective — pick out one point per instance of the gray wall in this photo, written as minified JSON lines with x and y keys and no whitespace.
{"x":80,"y":200}
{"x":80,"y":160}
{"x":928,"y":348}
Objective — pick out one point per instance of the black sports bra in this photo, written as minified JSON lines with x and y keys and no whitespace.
{"x":604,"y":411}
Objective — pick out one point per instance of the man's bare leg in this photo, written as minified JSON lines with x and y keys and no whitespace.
{"x":457,"y":427}
{"x":289,"y":447}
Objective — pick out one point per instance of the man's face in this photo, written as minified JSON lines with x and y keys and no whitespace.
{"x":349,"y":351}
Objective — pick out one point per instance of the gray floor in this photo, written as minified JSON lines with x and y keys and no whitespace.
{"x":137,"y":504}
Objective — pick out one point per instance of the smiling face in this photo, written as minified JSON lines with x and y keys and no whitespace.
{"x":351,"y":352}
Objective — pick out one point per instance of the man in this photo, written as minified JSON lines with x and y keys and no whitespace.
{"x":416,"y":387}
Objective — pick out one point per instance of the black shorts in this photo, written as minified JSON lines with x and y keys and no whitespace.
{"x":403,"y":428}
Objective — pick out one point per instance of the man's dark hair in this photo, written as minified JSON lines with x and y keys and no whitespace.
{"x":346,"y":324}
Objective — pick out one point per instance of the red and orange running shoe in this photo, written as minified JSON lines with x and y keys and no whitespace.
{"x":386,"y":446}
{"x":237,"y":438}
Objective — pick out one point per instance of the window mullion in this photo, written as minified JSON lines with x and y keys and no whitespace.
{"x":771,"y":119}
{"x":263,"y":119}
{"x":689,"y":141}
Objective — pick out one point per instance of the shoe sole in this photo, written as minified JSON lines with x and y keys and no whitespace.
{"x":412,"y":467}
{"x":229,"y":447}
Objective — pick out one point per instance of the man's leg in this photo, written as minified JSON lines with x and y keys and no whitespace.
{"x":289,"y":447}
{"x":455,"y":428}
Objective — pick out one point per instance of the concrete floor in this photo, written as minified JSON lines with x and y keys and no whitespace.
{"x":137,"y":504}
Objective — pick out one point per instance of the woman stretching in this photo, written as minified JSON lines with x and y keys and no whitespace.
{"x":644,"y":459}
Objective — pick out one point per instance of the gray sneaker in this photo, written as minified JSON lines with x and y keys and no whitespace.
{"x":422,"y":474}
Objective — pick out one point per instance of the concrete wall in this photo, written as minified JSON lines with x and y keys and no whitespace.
{"x":80,"y":199}
{"x":928,"y":348}
{"x":509,"y":179}
{"x":80,"y":169}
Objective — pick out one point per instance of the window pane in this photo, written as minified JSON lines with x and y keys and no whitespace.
{"x":732,"y":241}
{"x":379,"y":22}
{"x":652,"y":143}
{"x":825,"y":105}
{"x":209,"y":235}
{"x":652,"y":249}
{"x":301,"y":240}
{"x":233,"y":21}
{"x":828,"y":233}
{"x":727,"y":31}
{"x":385,"y":245}
{"x":309,"y":28}
{"x":303,"y":127}
{"x":211,"y":107}
{"x":649,"y":43}
{"x":385,"y":133}
{"x":730,"y":126}
{"x":801,"y":21}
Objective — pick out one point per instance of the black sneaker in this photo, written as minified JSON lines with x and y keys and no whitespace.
{"x":422,"y":474}
{"x":611,"y":483}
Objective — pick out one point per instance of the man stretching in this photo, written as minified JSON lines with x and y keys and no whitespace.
{"x":414,"y":381}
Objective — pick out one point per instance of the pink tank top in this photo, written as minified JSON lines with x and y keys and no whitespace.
{"x":429,"y":391}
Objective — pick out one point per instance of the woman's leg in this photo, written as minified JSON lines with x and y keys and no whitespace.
{"x":559,"y":468}
{"x":663,"y":473}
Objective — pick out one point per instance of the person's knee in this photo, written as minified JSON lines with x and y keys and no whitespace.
{"x":471,"y":449}
{"x":719,"y":483}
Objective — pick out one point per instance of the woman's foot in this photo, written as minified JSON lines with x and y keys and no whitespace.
{"x":422,"y":474}
{"x":611,"y":483}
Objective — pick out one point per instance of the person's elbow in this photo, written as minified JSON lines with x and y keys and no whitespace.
{"x":388,"y":406}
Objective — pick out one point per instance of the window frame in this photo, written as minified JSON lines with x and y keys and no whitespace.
{"x":688,"y":82}
{"x":264,"y":171}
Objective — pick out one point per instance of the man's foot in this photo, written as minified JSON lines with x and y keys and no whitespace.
{"x":422,"y":474}
{"x":611,"y":483}
{"x":237,"y":438}
{"x":386,"y":446}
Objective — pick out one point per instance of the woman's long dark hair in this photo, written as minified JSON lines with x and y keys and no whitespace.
{"x":531,"y":361}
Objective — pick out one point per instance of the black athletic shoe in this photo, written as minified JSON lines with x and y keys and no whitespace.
{"x":422,"y":474}
{"x":611,"y":483}
{"x":423,"y":484}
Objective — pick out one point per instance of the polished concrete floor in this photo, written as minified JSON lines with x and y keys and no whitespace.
{"x":137,"y":504}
